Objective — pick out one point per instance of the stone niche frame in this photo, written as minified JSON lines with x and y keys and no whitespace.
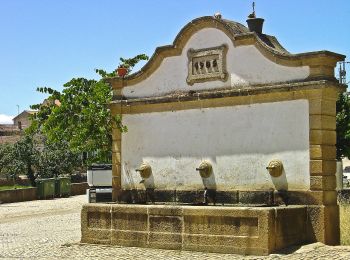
{"x":207,"y":64}
{"x":314,"y":211}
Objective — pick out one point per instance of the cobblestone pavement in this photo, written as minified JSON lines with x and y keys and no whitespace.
{"x":50,"y":229}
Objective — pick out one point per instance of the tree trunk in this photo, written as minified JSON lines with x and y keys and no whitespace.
{"x":30,"y":175}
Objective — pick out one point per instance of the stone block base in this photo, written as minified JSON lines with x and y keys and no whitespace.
{"x":242,"y":230}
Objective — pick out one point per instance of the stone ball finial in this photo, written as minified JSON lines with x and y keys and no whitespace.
{"x":218,"y":16}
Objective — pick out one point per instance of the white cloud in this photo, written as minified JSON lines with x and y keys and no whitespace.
{"x":5,"y":119}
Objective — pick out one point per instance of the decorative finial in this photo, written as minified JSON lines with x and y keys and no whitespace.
{"x":218,"y":16}
{"x":252,"y":15}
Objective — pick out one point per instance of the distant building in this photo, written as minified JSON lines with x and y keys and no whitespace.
{"x":22,"y":121}
{"x":47,"y":102}
{"x":9,"y":134}
{"x":12,"y":133}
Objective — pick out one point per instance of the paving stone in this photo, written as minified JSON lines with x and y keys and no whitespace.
{"x":50,"y":229}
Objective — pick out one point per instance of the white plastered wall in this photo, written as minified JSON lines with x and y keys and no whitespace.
{"x":239,"y":141}
{"x":245,"y":65}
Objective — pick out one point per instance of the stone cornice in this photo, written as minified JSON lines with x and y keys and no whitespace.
{"x":321,"y":63}
{"x":229,"y":92}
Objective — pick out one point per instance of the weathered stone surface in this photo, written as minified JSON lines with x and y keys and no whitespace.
{"x":322,"y":122}
{"x":325,"y":137}
{"x":248,"y":230}
{"x":165,"y":224}
{"x":322,"y":192}
{"x":100,"y":218}
{"x":224,"y":244}
{"x":255,"y":197}
{"x":129,"y":238}
{"x":223,"y":197}
{"x":189,"y":197}
{"x":96,"y":224}
{"x":322,"y":167}
{"x":312,"y":197}
{"x":52,"y":229}
{"x":9,"y":196}
{"x":129,"y":221}
{"x":195,"y":197}
{"x":132,"y":196}
{"x":225,"y":225}
{"x":165,"y":195}
{"x":323,"y":183}
{"x":322,"y":107}
{"x":165,"y":210}
{"x":323,"y":224}
{"x":287,"y":233}
{"x":165,"y":240}
{"x":326,"y":152}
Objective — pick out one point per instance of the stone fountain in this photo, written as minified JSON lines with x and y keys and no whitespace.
{"x":230,"y":147}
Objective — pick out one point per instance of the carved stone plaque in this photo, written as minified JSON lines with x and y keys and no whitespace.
{"x":207,"y":64}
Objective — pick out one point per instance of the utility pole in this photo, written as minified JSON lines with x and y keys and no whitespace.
{"x":17,"y":110}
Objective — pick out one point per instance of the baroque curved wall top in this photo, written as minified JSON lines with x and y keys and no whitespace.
{"x":251,"y":59}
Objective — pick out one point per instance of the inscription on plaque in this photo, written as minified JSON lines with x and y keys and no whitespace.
{"x":207,"y":64}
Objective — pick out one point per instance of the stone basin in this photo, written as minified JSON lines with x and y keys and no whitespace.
{"x":257,"y":230}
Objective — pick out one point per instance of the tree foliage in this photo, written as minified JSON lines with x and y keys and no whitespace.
{"x":131,"y":62}
{"x":20,"y":158}
{"x":56,"y":159}
{"x":34,"y":157}
{"x":83,"y":119}
{"x":343,"y":126}
{"x":69,"y":123}
{"x":6,"y":157}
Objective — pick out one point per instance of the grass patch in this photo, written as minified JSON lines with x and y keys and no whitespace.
{"x":14,"y":187}
{"x":344,"y":212}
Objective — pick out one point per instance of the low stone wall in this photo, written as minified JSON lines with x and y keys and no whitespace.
{"x":17,"y":195}
{"x":19,"y":181}
{"x":243,"y":230}
{"x":78,"y":188}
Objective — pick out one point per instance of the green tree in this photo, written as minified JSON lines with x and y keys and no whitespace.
{"x":343,"y":126}
{"x":6,"y":157}
{"x":24,"y":157}
{"x":131,"y":62}
{"x":33,"y":156}
{"x":56,"y":159}
{"x":83,"y":119}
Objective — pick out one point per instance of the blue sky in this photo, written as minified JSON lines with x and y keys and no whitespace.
{"x":46,"y":42}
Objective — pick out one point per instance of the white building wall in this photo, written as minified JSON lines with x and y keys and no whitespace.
{"x":239,"y":142}
{"x":245,"y":65}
